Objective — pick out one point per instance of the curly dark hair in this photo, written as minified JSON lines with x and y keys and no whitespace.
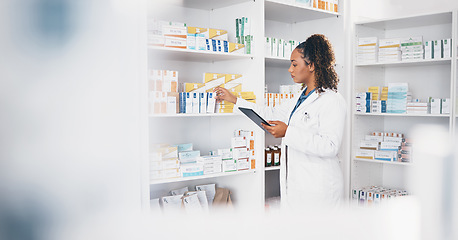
{"x":318,"y":50}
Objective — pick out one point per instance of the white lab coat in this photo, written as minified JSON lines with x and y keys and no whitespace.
{"x":311,"y":176}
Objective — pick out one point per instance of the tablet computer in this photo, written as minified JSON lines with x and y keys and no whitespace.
{"x":254,"y":117}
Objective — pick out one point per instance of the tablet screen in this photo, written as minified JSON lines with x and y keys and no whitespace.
{"x":254,"y":117}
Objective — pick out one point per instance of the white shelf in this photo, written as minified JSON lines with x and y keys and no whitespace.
{"x":184,"y":115}
{"x":277,"y":62}
{"x":208,"y":4}
{"x":224,"y":174}
{"x":401,"y":115}
{"x":383,"y":162}
{"x":272,"y":168}
{"x":280,"y":11}
{"x":164,"y":53}
{"x":419,"y":62}
{"x":409,"y":22}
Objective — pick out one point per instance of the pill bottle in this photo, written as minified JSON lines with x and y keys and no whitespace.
{"x":268,"y":157}
{"x":276,"y":156}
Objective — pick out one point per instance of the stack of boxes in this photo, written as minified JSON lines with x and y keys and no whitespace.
{"x":197,"y":38}
{"x":183,"y":161}
{"x":196,"y":102}
{"x":405,"y":151}
{"x":163,"y":91}
{"x":178,"y":35}
{"x":375,"y":103}
{"x":326,"y":5}
{"x":412,"y":48}
{"x":417,"y":107}
{"x":397,"y":98}
{"x":189,"y":166}
{"x":286,"y":92}
{"x":211,"y":164}
{"x":243,"y":33}
{"x":367,"y":50}
{"x":167,"y":34}
{"x":244,"y":153}
{"x":372,"y":101}
{"x":374,"y":195}
{"x":385,"y":147}
{"x":389,"y":50}
{"x":201,"y":94}
{"x":437,"y":49}
{"x":164,"y":162}
{"x":439,"y":106}
{"x":363,"y":102}
{"x":405,"y":49}
{"x":276,"y":47}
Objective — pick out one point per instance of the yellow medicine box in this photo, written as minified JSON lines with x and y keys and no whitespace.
{"x":208,"y":77}
{"x":192,"y":87}
{"x":236,"y":48}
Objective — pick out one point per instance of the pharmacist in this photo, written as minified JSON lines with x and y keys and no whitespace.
{"x":311,"y":126}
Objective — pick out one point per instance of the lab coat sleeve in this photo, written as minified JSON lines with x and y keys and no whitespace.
{"x":324,"y":141}
{"x":279,"y":113}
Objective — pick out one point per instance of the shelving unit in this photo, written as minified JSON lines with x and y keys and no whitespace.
{"x":420,"y":62}
{"x":281,"y":11}
{"x":272,"y":168}
{"x":435,"y":78}
{"x":164,"y":53}
{"x":192,"y":115}
{"x":209,"y":131}
{"x":401,"y":115}
{"x":208,"y":176}
{"x":291,"y":21}
{"x":383,"y":162}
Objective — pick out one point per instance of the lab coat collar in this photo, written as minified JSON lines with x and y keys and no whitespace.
{"x":310,"y":99}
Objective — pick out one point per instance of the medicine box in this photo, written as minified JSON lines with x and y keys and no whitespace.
{"x":239,"y":153}
{"x":184,"y":147}
{"x":198,"y":30}
{"x":238,"y":142}
{"x":384,"y":155}
{"x":192,"y":169}
{"x":167,"y":152}
{"x":397,"y":140}
{"x":373,"y":138}
{"x":170,"y":173}
{"x":155,"y":156}
{"x":170,"y":164}
{"x":201,"y":43}
{"x":195,"y":103}
{"x":229,"y":165}
{"x":389,"y":146}
{"x":445,"y":106}
{"x":217,"y":34}
{"x":429,"y":50}
{"x":225,"y":153}
{"x":447,"y":48}
{"x":437,"y":49}
{"x":369,"y":145}
{"x":203,"y":102}
{"x":175,"y":42}
{"x":435,"y":104}
{"x":188,"y":156}
{"x":191,"y":41}
{"x":211,"y":103}
{"x":243,"y":164}
{"x":365,"y":154}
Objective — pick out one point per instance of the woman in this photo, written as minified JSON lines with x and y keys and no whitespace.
{"x":311,"y":126}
